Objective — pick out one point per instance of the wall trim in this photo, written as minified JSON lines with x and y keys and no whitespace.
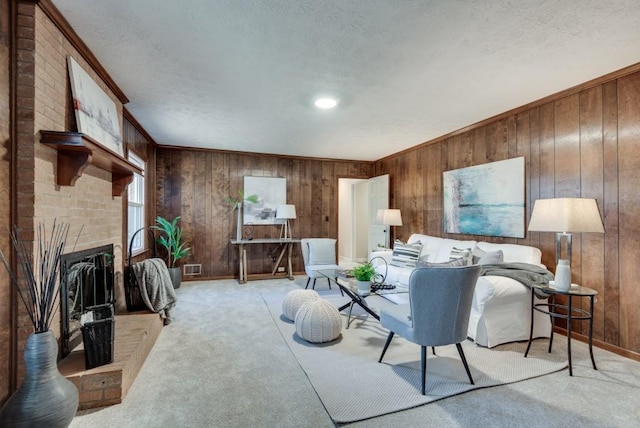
{"x":63,"y":25}
{"x":126,"y":114}
{"x":501,"y":116}
{"x":280,"y":156}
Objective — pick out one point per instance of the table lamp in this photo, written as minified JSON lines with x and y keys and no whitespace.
{"x":286,"y":213}
{"x":388,"y":217}
{"x":564,"y":216}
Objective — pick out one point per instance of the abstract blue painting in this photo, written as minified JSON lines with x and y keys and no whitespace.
{"x":485,"y":199}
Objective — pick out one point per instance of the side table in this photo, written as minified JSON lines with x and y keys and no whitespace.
{"x":571,"y":314}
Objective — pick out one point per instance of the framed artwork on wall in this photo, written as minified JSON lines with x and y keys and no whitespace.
{"x":485,"y":199}
{"x":96,"y":113}
{"x":271,"y":192}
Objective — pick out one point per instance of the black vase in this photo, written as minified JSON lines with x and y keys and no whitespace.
{"x":45,"y":398}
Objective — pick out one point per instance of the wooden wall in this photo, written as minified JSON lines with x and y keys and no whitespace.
{"x":194,"y":184}
{"x":580,"y":143}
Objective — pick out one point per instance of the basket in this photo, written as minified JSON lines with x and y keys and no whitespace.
{"x":132,"y":295}
{"x":98,"y":336}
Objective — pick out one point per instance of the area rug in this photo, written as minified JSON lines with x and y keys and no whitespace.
{"x":353,"y":386}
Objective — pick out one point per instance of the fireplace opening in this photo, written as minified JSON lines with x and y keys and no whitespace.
{"x":86,"y":280}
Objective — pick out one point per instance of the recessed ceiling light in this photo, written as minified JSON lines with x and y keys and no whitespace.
{"x":325,"y":103}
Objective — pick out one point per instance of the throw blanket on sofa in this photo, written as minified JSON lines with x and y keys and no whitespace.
{"x":525,"y":273}
{"x":155,"y":286}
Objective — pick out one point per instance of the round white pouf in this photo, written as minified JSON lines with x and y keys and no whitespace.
{"x":318,"y":321}
{"x":294,"y":299}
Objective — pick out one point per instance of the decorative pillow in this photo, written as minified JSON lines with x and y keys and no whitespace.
{"x":461,"y":253}
{"x":322,"y":252}
{"x":461,"y":261}
{"x":405,"y":255}
{"x":481,"y":257}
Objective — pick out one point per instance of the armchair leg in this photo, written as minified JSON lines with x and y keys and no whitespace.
{"x":341,"y":292}
{"x":423,"y":363}
{"x":314,"y":284}
{"x":307,"y":286}
{"x":386,"y":345}
{"x":329,"y":282}
{"x":464,"y":361}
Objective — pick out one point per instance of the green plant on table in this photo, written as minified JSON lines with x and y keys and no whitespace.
{"x":171,"y":239}
{"x":236,"y":202}
{"x":364,"y":272}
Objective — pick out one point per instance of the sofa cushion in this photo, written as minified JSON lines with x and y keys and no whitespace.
{"x":461,"y":261}
{"x":430,"y":246}
{"x":481,"y":257}
{"x":447,"y":245}
{"x":461,"y":253}
{"x":514,"y":253}
{"x":404,"y":254}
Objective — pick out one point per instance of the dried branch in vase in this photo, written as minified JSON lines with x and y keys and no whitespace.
{"x":39,"y":285}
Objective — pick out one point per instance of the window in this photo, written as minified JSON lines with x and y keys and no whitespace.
{"x":135,"y":204}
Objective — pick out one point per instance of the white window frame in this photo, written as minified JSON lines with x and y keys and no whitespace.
{"x":136,"y":206}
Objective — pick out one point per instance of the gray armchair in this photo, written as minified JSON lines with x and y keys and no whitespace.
{"x":438,"y":311}
{"x":318,"y":254}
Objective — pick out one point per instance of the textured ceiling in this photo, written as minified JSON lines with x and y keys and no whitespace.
{"x":241,"y":74}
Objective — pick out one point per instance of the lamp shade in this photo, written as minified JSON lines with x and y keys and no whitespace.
{"x":566,"y":215}
{"x":389,"y":217}
{"x":286,"y":212}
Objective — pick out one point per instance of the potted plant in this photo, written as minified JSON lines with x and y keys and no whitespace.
{"x":171,"y":239}
{"x":363,"y":274}
{"x":236,"y":204}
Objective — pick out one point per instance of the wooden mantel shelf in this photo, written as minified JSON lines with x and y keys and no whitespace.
{"x":77,"y":151}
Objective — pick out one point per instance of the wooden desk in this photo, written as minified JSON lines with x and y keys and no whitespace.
{"x":287,"y":248}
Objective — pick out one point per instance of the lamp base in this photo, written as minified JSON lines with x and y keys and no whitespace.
{"x":563,"y":275}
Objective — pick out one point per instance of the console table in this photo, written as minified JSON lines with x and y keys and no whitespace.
{"x":287,"y":248}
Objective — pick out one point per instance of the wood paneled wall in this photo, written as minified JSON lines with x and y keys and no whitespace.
{"x":582,"y":143}
{"x":194,"y":183}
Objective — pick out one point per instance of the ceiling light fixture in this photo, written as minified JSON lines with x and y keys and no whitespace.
{"x":326,"y":103}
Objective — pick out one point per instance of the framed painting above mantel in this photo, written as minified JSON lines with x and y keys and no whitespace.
{"x":485,"y":199}
{"x":96,"y":113}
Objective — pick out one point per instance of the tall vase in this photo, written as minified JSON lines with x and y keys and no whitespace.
{"x":45,"y":398}
{"x":239,"y":222}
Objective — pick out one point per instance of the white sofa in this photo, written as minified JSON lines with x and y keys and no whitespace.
{"x":501,"y":310}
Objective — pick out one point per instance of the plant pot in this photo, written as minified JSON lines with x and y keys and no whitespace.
{"x":176,"y":276}
{"x":45,"y":398}
{"x":364,"y":287}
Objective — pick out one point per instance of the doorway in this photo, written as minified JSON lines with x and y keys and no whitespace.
{"x":358,"y":202}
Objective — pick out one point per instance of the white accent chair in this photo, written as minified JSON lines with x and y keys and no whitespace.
{"x":318,"y":254}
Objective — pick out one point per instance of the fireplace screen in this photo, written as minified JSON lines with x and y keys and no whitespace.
{"x":87,"y":281}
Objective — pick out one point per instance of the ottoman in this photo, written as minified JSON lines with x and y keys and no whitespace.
{"x":318,"y":321}
{"x":294,"y":299}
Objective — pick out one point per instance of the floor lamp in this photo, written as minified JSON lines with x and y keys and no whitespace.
{"x":388,"y":217}
{"x":286,"y":213}
{"x":565,"y":216}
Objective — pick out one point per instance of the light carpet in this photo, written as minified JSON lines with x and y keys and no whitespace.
{"x":353,"y":386}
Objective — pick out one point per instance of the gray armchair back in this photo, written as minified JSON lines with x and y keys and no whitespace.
{"x":440,"y":300}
